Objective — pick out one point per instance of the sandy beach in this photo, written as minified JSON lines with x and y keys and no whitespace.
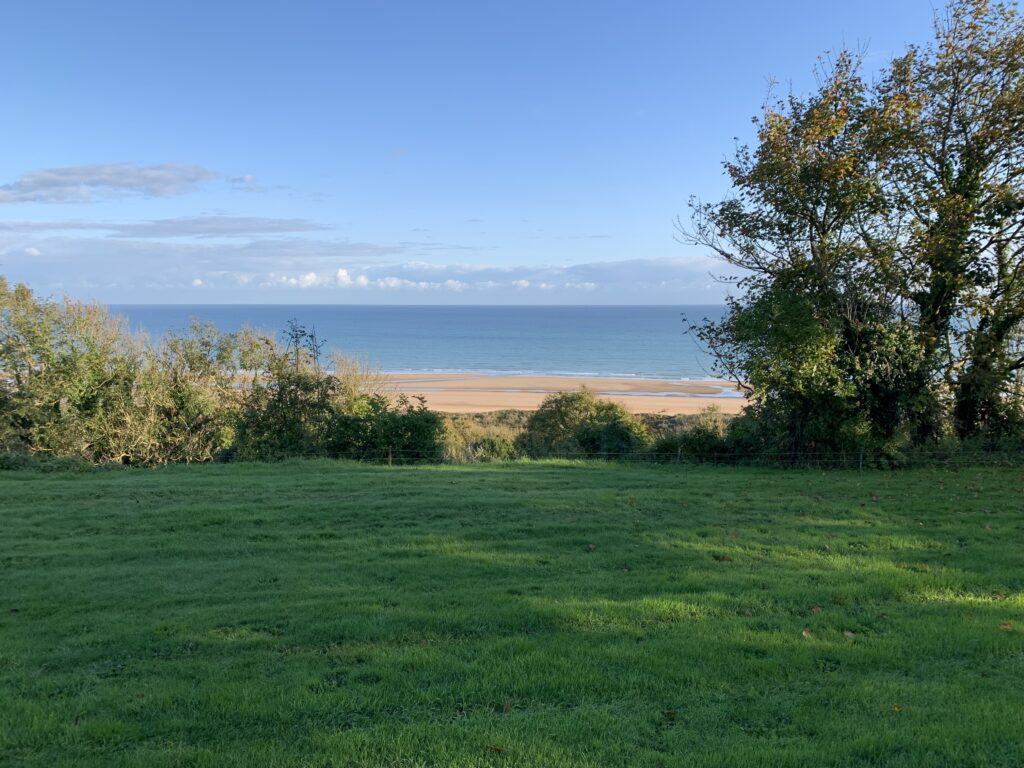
{"x":475,"y":393}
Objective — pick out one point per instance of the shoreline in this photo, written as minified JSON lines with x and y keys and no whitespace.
{"x":484,"y":392}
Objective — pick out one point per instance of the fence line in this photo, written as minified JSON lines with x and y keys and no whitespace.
{"x":793,"y":459}
{"x":847,"y":460}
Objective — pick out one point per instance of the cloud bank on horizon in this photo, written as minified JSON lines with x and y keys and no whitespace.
{"x":210,"y":257}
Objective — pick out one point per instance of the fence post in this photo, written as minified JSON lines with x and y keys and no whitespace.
{"x":860,"y":461}
{"x":389,"y":455}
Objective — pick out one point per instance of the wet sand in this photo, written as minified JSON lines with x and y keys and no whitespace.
{"x":476,"y":393}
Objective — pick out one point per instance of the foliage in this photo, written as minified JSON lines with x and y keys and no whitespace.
{"x":467,"y":441}
{"x":70,"y":374}
{"x":291,"y":404}
{"x":76,"y":383}
{"x":192,"y":384}
{"x":879,"y":229}
{"x":948,"y":135}
{"x":703,"y":437}
{"x":373,"y":427}
{"x":577,"y":423}
{"x":24,"y":462}
{"x":297,"y":408}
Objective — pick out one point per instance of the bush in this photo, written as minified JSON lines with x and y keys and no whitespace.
{"x":371,"y":427}
{"x":577,"y":423}
{"x":21,"y":462}
{"x":77,"y":383}
{"x":288,"y":415}
{"x":16,"y":462}
{"x":294,"y":407}
{"x":703,"y":438}
{"x":467,"y":441}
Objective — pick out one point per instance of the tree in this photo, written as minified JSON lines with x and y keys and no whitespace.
{"x":815,"y":333}
{"x":880,"y":231}
{"x":949,"y":132}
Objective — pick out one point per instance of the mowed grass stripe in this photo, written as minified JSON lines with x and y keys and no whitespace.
{"x":315,"y":613}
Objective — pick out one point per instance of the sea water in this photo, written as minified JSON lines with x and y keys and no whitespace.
{"x":640,"y":341}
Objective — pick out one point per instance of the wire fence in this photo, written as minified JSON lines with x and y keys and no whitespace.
{"x":855,"y":460}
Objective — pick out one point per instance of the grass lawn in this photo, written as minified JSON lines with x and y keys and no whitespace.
{"x":325,"y":614}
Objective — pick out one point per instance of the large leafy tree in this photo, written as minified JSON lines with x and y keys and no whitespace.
{"x":880,"y":230}
{"x":815,"y":333}
{"x":949,"y":131}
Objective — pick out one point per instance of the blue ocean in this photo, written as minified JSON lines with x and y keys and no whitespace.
{"x":641,"y":341}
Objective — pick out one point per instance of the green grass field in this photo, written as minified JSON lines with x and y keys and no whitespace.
{"x":324,"y":614}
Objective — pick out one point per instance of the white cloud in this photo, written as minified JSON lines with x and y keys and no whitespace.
{"x":197,"y":283}
{"x":391,"y":283}
{"x":213,"y":226}
{"x":47,"y":226}
{"x":305,"y":280}
{"x":343,"y":278}
{"x":83,"y":183}
{"x":245,"y":180}
{"x":183,"y":226}
{"x":150,"y":268}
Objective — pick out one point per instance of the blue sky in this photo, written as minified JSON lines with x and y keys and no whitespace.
{"x":390,"y":152}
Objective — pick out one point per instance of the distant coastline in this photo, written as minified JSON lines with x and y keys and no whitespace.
{"x":624,"y":342}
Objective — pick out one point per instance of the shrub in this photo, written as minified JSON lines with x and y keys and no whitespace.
{"x":702,"y":438}
{"x":192,"y":381}
{"x":291,"y":403}
{"x":21,"y":462}
{"x":70,"y":373}
{"x":467,"y":440}
{"x":78,"y":383}
{"x":577,"y":423}
{"x":294,"y":407}
{"x":372,"y":427}
{"x":15,"y":462}
{"x":290,"y":414}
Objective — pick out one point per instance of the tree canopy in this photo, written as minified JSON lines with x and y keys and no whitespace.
{"x":879,"y":226}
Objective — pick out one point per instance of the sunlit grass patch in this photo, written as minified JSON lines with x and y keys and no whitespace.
{"x":548,"y":614}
